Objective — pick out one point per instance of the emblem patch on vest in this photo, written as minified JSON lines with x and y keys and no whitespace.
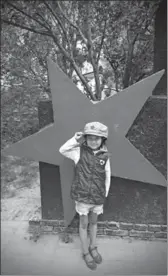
{"x":102,"y":162}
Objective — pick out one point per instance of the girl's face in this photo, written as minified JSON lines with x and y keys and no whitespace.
{"x":93,"y":141}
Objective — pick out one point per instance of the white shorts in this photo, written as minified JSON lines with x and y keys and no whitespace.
{"x":84,"y":209}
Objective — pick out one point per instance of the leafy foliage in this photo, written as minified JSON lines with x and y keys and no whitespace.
{"x":114,"y":37}
{"x":122,"y":33}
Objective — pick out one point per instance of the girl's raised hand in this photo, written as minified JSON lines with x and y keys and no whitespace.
{"x":79,"y":136}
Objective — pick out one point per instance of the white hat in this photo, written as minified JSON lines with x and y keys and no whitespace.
{"x":96,"y":128}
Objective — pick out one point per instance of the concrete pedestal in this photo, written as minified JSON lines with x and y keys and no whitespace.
{"x":50,"y":186}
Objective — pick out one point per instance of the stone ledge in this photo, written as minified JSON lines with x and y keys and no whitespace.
{"x":161,"y":235}
{"x":126,"y":226}
{"x":164,"y":228}
{"x":154,"y":228}
{"x":121,"y":233}
{"x":106,"y":228}
{"x":141,"y":234}
{"x":140,"y":227}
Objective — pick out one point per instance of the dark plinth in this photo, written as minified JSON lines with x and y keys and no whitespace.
{"x":135,"y":202}
{"x":160,"y":47}
{"x":51,"y":198}
{"x":128,"y":201}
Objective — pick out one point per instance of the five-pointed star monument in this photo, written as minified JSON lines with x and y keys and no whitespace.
{"x":72,"y":110}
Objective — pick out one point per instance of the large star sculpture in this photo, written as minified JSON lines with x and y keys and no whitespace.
{"x":72,"y":110}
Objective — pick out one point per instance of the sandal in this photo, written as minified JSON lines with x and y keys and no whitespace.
{"x":90,"y":264}
{"x":98,"y":258}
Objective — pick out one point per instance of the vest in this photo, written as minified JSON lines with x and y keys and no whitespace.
{"x":89,"y":177}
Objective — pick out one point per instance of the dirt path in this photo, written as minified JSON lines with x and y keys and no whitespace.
{"x":20,"y":189}
{"x":25,"y":205}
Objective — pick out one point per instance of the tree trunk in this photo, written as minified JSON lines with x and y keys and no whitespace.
{"x":160,"y":47}
{"x":92,"y":56}
{"x":127,"y":71}
{"x":116,"y":81}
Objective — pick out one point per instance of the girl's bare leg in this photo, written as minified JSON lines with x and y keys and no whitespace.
{"x":83,"y":235}
{"x":93,"y":232}
{"x":93,"y":228}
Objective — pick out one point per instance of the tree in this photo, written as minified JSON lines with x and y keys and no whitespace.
{"x":57,"y":25}
{"x":102,"y":28}
{"x":130,"y":35}
{"x":24,"y":58}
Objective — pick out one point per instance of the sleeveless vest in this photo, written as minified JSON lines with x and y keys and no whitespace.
{"x":89,"y":178}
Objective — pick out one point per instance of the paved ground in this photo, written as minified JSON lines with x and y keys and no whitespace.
{"x":49,"y":256}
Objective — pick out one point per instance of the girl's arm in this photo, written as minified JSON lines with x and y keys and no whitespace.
{"x":108,"y":176}
{"x":71,"y":149}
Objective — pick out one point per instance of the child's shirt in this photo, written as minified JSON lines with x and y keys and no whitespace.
{"x":71,"y":149}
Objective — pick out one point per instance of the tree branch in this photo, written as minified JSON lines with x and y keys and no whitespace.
{"x":90,"y":50}
{"x":72,"y":24}
{"x":102,"y":41}
{"x":41,"y":62}
{"x":127,"y":70}
{"x":56,"y":41}
{"x":72,"y":61}
{"x":140,"y":77}
{"x":25,"y":27}
{"x":83,"y":80}
{"x":27,"y":15}
{"x":61,"y":48}
{"x":115,"y":72}
{"x":38,"y":78}
{"x":49,"y":27}
{"x":33,"y":71}
{"x":60,"y":23}
{"x":21,"y":76}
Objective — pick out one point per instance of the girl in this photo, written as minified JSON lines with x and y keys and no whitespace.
{"x":91,"y":182}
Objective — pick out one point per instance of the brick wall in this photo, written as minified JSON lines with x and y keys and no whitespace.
{"x":107,"y":228}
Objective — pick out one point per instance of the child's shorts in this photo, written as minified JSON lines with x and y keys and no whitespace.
{"x":84,"y":209}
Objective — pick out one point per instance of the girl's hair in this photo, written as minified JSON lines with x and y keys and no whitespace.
{"x":103,"y":141}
